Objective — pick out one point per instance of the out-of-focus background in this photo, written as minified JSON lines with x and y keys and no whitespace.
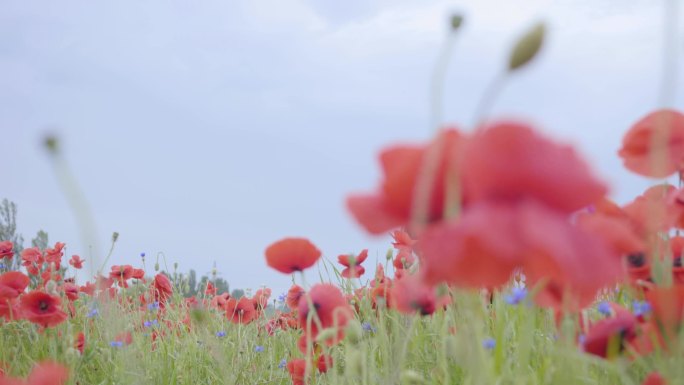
{"x":207,"y":130}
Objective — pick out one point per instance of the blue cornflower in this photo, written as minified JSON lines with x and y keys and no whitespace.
{"x":2,"y":265}
{"x":116,"y":344}
{"x":641,"y":307}
{"x":282,"y":297}
{"x":142,"y":255}
{"x":151,"y":323}
{"x":153,"y":306}
{"x":516,"y":296}
{"x":489,"y":343}
{"x":282,"y":364}
{"x":259,"y":349}
{"x":368,"y":327}
{"x":93,"y":312}
{"x":220,"y":334}
{"x":581,"y":339}
{"x":604,"y":308}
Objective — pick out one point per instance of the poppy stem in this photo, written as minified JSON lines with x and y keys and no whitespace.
{"x":438,"y":79}
{"x":489,"y":96}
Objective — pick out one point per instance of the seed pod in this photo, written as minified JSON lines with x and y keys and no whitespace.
{"x":527,"y":47}
{"x":456,"y":22}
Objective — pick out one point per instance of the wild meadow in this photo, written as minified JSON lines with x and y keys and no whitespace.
{"x":510,"y":264}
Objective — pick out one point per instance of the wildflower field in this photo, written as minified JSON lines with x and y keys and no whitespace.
{"x":509,"y":264}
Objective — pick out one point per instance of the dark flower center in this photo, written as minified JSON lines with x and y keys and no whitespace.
{"x":636,"y":259}
{"x":677,"y":262}
{"x":43,"y":305}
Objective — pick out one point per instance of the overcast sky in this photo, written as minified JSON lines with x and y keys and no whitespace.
{"x":206,"y":130}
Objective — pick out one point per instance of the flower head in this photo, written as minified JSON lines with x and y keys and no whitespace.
{"x":292,"y":254}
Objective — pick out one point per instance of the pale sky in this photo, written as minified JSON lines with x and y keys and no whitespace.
{"x":207,"y":130}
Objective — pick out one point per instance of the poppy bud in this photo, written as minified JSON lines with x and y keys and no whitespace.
{"x":156,"y":266}
{"x":411,"y":377}
{"x":389,"y":255}
{"x":456,"y":21}
{"x":527,"y":47}
{"x":51,"y":143}
{"x":115,"y":236}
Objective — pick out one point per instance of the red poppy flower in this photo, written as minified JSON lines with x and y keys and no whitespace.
{"x":353,"y":264}
{"x":410,"y":295}
{"x":12,"y":284}
{"x":71,"y":291}
{"x":654,"y":379}
{"x":402,"y":166}
{"x":618,"y":234}
{"x":609,"y":336}
{"x":161,"y":287}
{"x":260,"y":298}
{"x":509,"y":161}
{"x":219,"y":301}
{"x":324,"y":363}
{"x":6,"y":249}
{"x":292,"y":254}
{"x":120,"y":274}
{"x":404,"y":245}
{"x":293,"y":295}
{"x":55,"y":254}
{"x":297,"y":370}
{"x":45,"y":373}
{"x":331,"y":308}
{"x":138,"y":274}
{"x":43,"y":309}
{"x":491,"y":240}
{"x":79,"y":344}
{"x":76,"y":262}
{"x":637,"y":150}
{"x":481,"y":249}
{"x":210,"y":290}
{"x":88,"y":288}
{"x":668,"y":309}
{"x":240,"y":311}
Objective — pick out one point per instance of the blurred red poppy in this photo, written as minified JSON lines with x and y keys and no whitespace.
{"x":609,"y":336}
{"x":76,"y":262}
{"x":6,"y":249}
{"x":240,"y":311}
{"x":404,"y":245}
{"x":45,"y":373}
{"x":654,"y":379}
{"x":297,"y":370}
{"x":637,"y":150}
{"x":411,"y":295}
{"x":392,"y":206}
{"x":121,"y":274}
{"x":162,"y":289}
{"x":292,"y":254}
{"x":79,"y":344}
{"x":12,"y":284}
{"x":330,"y":307}
{"x":293,"y":296}
{"x":353,"y":264}
{"x":508,"y":161}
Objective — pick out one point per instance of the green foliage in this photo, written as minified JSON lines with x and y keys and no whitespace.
{"x":8,"y":230}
